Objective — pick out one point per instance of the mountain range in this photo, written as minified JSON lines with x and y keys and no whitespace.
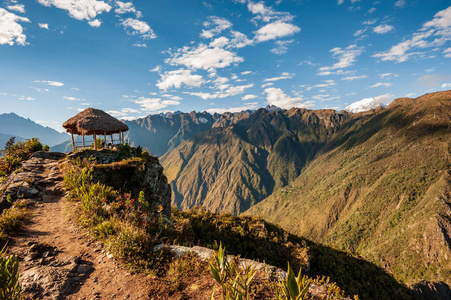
{"x":373,"y":182}
{"x":14,"y":125}
{"x":376,"y":183}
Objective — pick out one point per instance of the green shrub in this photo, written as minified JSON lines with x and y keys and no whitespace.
{"x":9,"y":276}
{"x":15,"y":153}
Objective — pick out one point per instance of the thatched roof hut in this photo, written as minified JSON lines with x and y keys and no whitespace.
{"x":94,"y":122}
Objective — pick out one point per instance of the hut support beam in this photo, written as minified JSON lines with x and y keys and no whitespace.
{"x":95,"y":141}
{"x":73,"y":142}
{"x":83,"y":137}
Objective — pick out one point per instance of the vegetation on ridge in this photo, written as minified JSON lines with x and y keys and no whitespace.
{"x":15,"y":153}
{"x":380,"y":188}
{"x":130,"y":231}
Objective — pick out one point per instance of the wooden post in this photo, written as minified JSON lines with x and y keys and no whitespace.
{"x":73,"y":142}
{"x":83,"y":137}
{"x":122,"y":137}
{"x":104,"y":140}
{"x":95,"y":141}
{"x":112,"y":142}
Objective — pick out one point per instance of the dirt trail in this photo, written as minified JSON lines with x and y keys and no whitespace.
{"x":57,"y":260}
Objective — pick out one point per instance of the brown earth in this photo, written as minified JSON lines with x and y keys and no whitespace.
{"x":57,"y":260}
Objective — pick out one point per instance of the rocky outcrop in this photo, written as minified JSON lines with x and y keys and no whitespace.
{"x":131,"y":175}
{"x":36,"y":174}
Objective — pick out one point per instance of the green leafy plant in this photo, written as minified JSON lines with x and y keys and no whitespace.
{"x":234,"y":285}
{"x":293,"y":288}
{"x":9,"y":276}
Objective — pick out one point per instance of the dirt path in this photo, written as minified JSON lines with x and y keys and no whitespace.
{"x":57,"y":260}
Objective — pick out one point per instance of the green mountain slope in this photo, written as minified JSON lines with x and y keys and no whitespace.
{"x":235,"y":167}
{"x":380,"y":187}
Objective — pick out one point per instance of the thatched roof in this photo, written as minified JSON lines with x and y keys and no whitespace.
{"x":94,"y":121}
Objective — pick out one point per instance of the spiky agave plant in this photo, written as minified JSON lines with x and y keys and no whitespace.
{"x":9,"y":276}
{"x":235,"y":286}
{"x":293,"y":288}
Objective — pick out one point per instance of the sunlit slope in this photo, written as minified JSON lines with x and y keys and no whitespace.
{"x":235,"y":167}
{"x":379,"y":187}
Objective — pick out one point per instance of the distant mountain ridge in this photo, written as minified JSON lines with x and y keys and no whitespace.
{"x":161,"y":133}
{"x":376,"y":182}
{"x":14,"y":125}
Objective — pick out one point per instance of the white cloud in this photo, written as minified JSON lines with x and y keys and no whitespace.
{"x":220,"y":42}
{"x":11,"y":32}
{"x":267,"y":14}
{"x":154,"y":104}
{"x":400,"y":3}
{"x":139,"y":27}
{"x":73,"y":98}
{"x":350,"y":78}
{"x":156,"y":69}
{"x":434,"y":33}
{"x":26,"y":98}
{"x":123,"y":112}
{"x":326,"y":83}
{"x":388,"y":75}
{"x":371,"y":10}
{"x":369,"y":103}
{"x":126,"y":7}
{"x":325,"y":97}
{"x":39,"y":89}
{"x":446,"y":86}
{"x":95,"y":23}
{"x":248,"y":97}
{"x":359,"y":32}
{"x":277,"y":97}
{"x":230,"y":91}
{"x":178,"y":77}
{"x":447,"y":52}
{"x":49,"y":82}
{"x":281,"y":47}
{"x":79,"y":9}
{"x":346,"y":57}
{"x":250,"y":105}
{"x":385,"y":84}
{"x":250,"y":72}
{"x":284,"y":75}
{"x":239,"y":40}
{"x":140,"y":45}
{"x":340,"y":2}
{"x":17,"y":7}
{"x":217,"y":26}
{"x":336,"y":72}
{"x":75,"y":89}
{"x":275,"y":30}
{"x":44,"y":25}
{"x":369,"y":22}
{"x":381,"y":29}
{"x":267,"y":84}
{"x":203,"y":57}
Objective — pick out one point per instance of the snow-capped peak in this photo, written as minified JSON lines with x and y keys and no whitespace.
{"x":363,"y":105}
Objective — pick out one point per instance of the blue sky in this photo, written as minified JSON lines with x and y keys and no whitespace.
{"x":132,"y":59}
